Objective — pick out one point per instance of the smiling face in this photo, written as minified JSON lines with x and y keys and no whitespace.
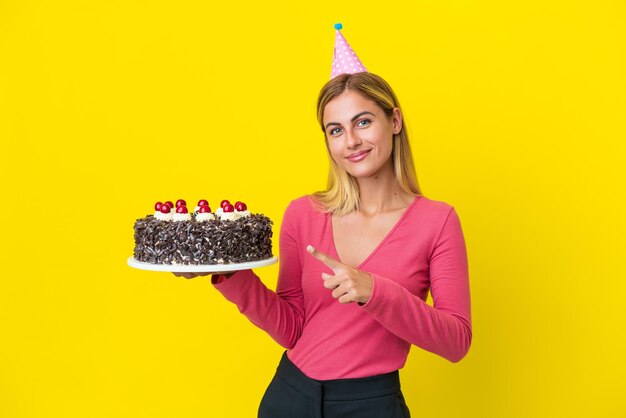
{"x":359,"y":134}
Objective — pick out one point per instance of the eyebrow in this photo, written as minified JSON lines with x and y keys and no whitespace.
{"x":351,"y":120}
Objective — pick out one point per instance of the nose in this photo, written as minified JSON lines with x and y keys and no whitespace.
{"x":352,"y":139}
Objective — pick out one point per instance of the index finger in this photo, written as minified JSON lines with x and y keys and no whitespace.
{"x":324,"y":258}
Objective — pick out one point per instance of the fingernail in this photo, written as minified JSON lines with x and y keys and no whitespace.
{"x":310,"y":248}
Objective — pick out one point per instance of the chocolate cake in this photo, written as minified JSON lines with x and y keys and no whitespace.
{"x":231,"y":235}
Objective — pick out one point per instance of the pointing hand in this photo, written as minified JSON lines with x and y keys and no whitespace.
{"x":348,"y":284}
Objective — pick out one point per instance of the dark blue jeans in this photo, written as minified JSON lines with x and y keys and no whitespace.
{"x":291,"y":394}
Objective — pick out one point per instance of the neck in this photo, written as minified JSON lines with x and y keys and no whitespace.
{"x":381,"y":192}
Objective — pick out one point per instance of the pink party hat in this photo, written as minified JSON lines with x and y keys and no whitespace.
{"x":344,"y":58}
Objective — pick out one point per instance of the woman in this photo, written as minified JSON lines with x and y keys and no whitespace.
{"x":356,"y":264}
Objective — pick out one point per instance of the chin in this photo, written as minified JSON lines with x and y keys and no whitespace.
{"x":363,"y":172}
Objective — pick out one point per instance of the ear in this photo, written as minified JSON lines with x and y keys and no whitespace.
{"x":397,"y":120}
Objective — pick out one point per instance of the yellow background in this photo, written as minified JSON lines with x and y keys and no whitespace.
{"x":516,"y":112}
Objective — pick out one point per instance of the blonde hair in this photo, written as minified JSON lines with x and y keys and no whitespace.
{"x":342,"y":194}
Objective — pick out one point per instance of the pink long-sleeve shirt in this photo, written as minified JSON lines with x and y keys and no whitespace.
{"x":326,"y":339}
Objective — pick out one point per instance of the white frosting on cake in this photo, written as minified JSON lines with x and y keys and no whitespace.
{"x":163,"y":216}
{"x":232,"y":216}
{"x":228,"y":216}
{"x":181,"y":217}
{"x":207,"y":216}
{"x":243,"y":213}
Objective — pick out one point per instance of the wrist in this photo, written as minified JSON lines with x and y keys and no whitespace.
{"x":219,"y":278}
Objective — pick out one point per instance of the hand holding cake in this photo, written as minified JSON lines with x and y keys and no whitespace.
{"x":226,"y":274}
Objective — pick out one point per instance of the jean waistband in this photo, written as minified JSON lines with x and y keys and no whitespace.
{"x":338,"y":389}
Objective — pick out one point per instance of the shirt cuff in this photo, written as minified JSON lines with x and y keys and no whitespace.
{"x":231,"y":287}
{"x":384,"y":292}
{"x":218,"y":278}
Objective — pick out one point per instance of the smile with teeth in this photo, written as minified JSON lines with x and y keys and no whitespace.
{"x":358,"y":156}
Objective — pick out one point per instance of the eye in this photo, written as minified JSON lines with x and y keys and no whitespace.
{"x":363,"y":120}
{"x":332,"y":131}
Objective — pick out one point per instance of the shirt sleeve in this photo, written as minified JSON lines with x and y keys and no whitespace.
{"x":280,"y":313}
{"x":444,"y":329}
